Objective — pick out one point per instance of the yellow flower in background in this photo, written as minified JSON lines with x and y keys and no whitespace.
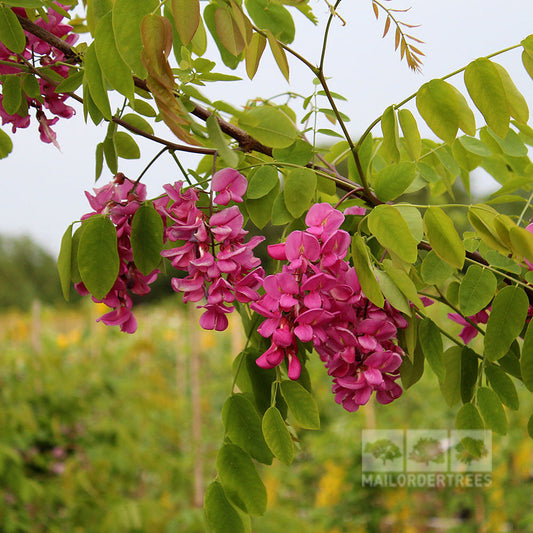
{"x":331,"y":485}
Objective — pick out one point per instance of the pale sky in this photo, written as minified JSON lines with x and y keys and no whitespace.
{"x":42,"y":188}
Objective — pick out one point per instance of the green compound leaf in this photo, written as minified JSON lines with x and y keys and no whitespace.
{"x":277,"y":436}
{"x":221,"y":515}
{"x":503,"y":386}
{"x":443,"y":237}
{"x":243,"y":427}
{"x":506,"y":320}
{"x":269,"y":126}
{"x":492,"y":410}
{"x":98,"y":258}
{"x":392,"y":231}
{"x":301,"y":404}
{"x":477,"y":290}
{"x":391,"y":139}
{"x":299,"y":191}
{"x":147,"y":238}
{"x":241,"y":482}
{"x":11,"y":32}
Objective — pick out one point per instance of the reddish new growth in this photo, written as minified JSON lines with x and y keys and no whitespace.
{"x":47,"y":56}
{"x":120,"y":199}
{"x":316,"y":298}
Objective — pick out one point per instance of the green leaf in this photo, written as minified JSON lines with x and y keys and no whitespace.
{"x":526,"y":360}
{"x":240,"y":480}
{"x":391,"y":230}
{"x":299,"y":191}
{"x":477,"y":290}
{"x":138,"y":122}
{"x":392,"y":293}
{"x":443,"y":237}
{"x":70,"y":84}
{"x":126,"y":146}
{"x":11,"y":32}
{"x":253,"y":53}
{"x":74,"y":269}
{"x":365,"y":273}
{"x":522,"y":242}
{"x":228,"y":31}
{"x":299,"y":152}
{"x":506,"y":320}
{"x":492,"y":410}
{"x":411,"y":133}
{"x":12,"y":93}
{"x":99,"y":161}
{"x":221,"y":515}
{"x":503,"y":386}
{"x":110,"y":151}
{"x":143,"y":108}
{"x":260,"y":210}
{"x":262,"y":181}
{"x":272,"y":16}
{"x":474,"y":146}
{"x":243,"y":427}
{"x":444,"y":110}
{"x":482,"y":218}
{"x":25,"y":3}
{"x":6,"y":145}
{"x":269,"y":126}
{"x":280,"y":214}
{"x":511,"y":145}
{"x":468,"y":417}
{"x":228,"y":59}
{"x":404,"y":283}
{"x":411,"y":372}
{"x":219,"y":142}
{"x":93,"y":75}
{"x":277,"y":436}
{"x":301,"y":404}
{"x":147,"y":238}
{"x":279,"y":54}
{"x":393,"y":180}
{"x":413,"y":218}
{"x":430,"y":340}
{"x":114,"y":69}
{"x":98,"y":259}
{"x":434,"y":270}
{"x":469,"y":373}
{"x":450,"y":386}
{"x":484,"y":84}
{"x":391,"y":139}
{"x":127,"y":18}
{"x":186,"y":14}
{"x":517,"y":104}
{"x":64,"y":262}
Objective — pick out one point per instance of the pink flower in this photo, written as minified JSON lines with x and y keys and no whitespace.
{"x":355,"y":210}
{"x":469,"y":331}
{"x":230,"y":185}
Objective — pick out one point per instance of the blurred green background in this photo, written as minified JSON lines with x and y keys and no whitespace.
{"x":106,"y":432}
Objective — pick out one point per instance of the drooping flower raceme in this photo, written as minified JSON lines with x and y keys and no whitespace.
{"x":317,"y":298}
{"x":48,"y":56}
{"x":221,"y":267}
{"x":120,"y":199}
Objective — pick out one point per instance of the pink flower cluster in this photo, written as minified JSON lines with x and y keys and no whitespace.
{"x":49,"y":57}
{"x":120,"y":199}
{"x":220,"y":265}
{"x":317,"y":298}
